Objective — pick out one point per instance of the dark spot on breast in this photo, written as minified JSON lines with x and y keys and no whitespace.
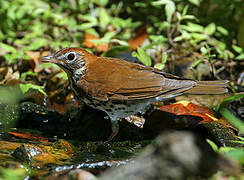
{"x":118,"y":102}
{"x":108,"y":110}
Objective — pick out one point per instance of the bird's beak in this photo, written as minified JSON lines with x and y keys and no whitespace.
{"x":49,"y":59}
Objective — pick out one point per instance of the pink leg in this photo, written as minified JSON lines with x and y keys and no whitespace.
{"x":115,"y":129}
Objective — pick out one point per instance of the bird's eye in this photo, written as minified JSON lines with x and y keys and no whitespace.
{"x":71,"y":56}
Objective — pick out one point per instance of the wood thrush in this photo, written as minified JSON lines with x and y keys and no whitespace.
{"x":122,"y":88}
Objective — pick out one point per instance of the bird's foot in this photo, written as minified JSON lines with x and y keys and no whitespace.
{"x":115,"y":130}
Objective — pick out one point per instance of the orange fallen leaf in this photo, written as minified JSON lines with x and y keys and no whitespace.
{"x":188,"y":108}
{"x":141,"y":36}
{"x":101,"y":47}
{"x":29,"y":136}
{"x":87,"y":41}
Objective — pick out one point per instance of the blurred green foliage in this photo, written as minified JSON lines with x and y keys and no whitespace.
{"x":37,"y":24}
{"x":12,"y":174}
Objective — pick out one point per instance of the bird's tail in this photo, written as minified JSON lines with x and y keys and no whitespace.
{"x":209,"y":87}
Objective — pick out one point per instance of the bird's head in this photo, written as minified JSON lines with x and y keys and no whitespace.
{"x":72,"y":60}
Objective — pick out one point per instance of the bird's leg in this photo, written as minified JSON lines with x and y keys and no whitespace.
{"x":115,"y":129}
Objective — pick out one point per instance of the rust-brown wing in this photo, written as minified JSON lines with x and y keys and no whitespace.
{"x":115,"y":79}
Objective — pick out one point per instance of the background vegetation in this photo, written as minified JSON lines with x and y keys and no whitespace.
{"x":205,"y":36}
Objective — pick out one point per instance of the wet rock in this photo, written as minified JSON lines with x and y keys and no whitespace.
{"x":44,"y":154}
{"x":84,"y":124}
{"x":176,"y":155}
{"x":25,"y":153}
{"x":189,"y":116}
{"x":33,"y":116}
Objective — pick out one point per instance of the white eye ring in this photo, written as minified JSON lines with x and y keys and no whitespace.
{"x":71,"y":56}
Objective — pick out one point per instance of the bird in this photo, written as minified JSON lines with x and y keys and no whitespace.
{"x":121,"y":88}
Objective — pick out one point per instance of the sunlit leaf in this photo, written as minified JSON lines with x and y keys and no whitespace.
{"x":62,"y":75}
{"x":222,"y":30}
{"x":170,"y":9}
{"x":104,"y":18}
{"x":159,"y":66}
{"x":232,"y":119}
{"x":240,"y":57}
{"x":120,"y":42}
{"x":213,"y":145}
{"x":101,"y":2}
{"x":199,"y":36}
{"x":237,"y":49}
{"x":210,"y":29}
{"x":26,"y":87}
{"x":142,"y":56}
{"x":195,"y":2}
{"x":234,"y":153}
{"x":192,"y":27}
{"x":164,"y":58}
{"x":7,"y":47}
{"x":28,"y":73}
{"x":158,"y":38}
{"x":195,"y":63}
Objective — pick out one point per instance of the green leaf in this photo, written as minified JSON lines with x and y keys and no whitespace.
{"x":232,"y":119}
{"x":237,"y":49}
{"x":161,"y":2}
{"x":101,"y":2}
{"x":210,"y":29}
{"x":192,"y":27}
{"x":195,"y":63}
{"x":213,"y":145}
{"x":164,"y":58}
{"x":104,"y":18}
{"x":178,"y":38}
{"x":26,"y":87}
{"x":30,"y":73}
{"x":221,"y":46}
{"x":7,"y":47}
{"x":92,"y":31}
{"x":195,"y":2}
{"x":120,"y":42}
{"x":187,"y":17}
{"x":12,"y":174}
{"x":158,"y":38}
{"x":228,"y":100}
{"x":185,"y":35}
{"x":184,"y":12}
{"x":170,"y":10}
{"x":62,"y":75}
{"x":159,"y":66}
{"x":222,"y":30}
{"x":169,"y":7}
{"x":105,"y":39}
{"x":204,"y":50}
{"x":199,"y":36}
{"x":142,"y":56}
{"x":237,"y":154}
{"x":240,"y":57}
